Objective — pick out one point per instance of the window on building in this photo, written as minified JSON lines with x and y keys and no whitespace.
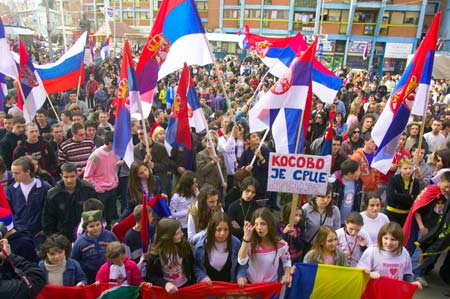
{"x":332,"y":15}
{"x":202,"y":5}
{"x":397,"y":17}
{"x":230,"y":13}
{"x":252,"y":13}
{"x":411,"y":17}
{"x":369,"y":29}
{"x":267,"y":2}
{"x":306,"y":3}
{"x":432,"y":8}
{"x":365,"y":16}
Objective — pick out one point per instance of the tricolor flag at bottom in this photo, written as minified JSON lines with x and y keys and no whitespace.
{"x":312,"y":281}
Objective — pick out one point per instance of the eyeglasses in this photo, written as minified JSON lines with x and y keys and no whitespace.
{"x":356,"y":132}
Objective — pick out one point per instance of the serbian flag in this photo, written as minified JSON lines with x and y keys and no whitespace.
{"x":92,"y":47}
{"x":366,"y":51}
{"x":411,"y":90}
{"x":65,"y":73}
{"x":105,"y":49}
{"x":278,"y":53}
{"x":286,"y":108}
{"x":3,"y":90}
{"x":178,"y":132}
{"x":177,"y":37}
{"x":7,"y":63}
{"x":123,"y":140}
{"x":327,"y":144}
{"x":31,"y":94}
{"x":197,"y":118}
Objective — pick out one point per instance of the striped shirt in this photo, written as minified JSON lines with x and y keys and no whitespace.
{"x":75,"y":152}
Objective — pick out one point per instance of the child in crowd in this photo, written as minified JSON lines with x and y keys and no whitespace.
{"x":242,"y":210}
{"x":352,"y":239}
{"x":372,"y":217}
{"x":293,"y":235}
{"x":319,"y":211}
{"x":91,"y":204}
{"x":399,"y":197}
{"x":388,"y":257}
{"x":200,"y":212}
{"x":215,"y":254}
{"x":89,"y":250}
{"x":132,"y":241}
{"x":185,"y":194}
{"x":170,"y":261}
{"x":325,"y":250}
{"x":141,"y":182}
{"x":118,"y":270}
{"x":60,"y":270}
{"x":263,"y":250}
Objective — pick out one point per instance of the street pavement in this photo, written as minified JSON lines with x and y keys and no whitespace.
{"x":436,"y":285}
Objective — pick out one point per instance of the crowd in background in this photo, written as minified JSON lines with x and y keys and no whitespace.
{"x":67,"y":189}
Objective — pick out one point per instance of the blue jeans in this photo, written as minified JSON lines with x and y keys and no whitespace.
{"x":421,"y":269}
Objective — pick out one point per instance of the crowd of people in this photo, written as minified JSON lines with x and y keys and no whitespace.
{"x":67,"y":189}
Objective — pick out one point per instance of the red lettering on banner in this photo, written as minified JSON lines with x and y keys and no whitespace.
{"x":320,"y":163}
{"x":275,"y":161}
{"x":310,"y":162}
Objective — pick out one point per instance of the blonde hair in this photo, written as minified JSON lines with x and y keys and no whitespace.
{"x":114,"y":250}
{"x":404,"y":161}
{"x":156,"y":133}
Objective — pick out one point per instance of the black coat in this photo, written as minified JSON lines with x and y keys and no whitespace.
{"x":62,"y":210}
{"x":15,"y":288}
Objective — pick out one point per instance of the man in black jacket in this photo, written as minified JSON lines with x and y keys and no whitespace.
{"x":11,"y":140}
{"x":15,"y":287}
{"x":64,"y":204}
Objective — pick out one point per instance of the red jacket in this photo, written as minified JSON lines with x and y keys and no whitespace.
{"x":134,"y":277}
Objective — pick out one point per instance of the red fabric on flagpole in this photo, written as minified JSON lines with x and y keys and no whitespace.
{"x":388,"y":288}
{"x":121,"y":228}
{"x":144,"y":225}
{"x":3,"y":200}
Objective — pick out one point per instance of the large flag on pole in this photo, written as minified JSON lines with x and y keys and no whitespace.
{"x":31,"y":94}
{"x":178,"y":129}
{"x":104,"y":52}
{"x":278,"y":52}
{"x":123,"y":140}
{"x":63,"y":74}
{"x":177,"y":37}
{"x":286,"y":108}
{"x":7,"y":63}
{"x":92,"y":47}
{"x":414,"y":81}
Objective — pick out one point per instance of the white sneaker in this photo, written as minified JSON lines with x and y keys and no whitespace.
{"x":422,"y":281}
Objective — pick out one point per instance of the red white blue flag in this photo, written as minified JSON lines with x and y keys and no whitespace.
{"x":411,"y":90}
{"x":123,"y":141}
{"x":177,"y":37}
{"x":286,"y":108}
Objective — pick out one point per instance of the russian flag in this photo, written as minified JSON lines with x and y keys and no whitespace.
{"x":177,"y":37}
{"x":105,"y":49}
{"x":411,"y":90}
{"x":286,"y":108}
{"x":65,"y":73}
{"x":278,"y":52}
{"x":123,"y":141}
{"x":7,"y":64}
{"x":3,"y":90}
{"x":178,"y":129}
{"x":31,"y":95}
